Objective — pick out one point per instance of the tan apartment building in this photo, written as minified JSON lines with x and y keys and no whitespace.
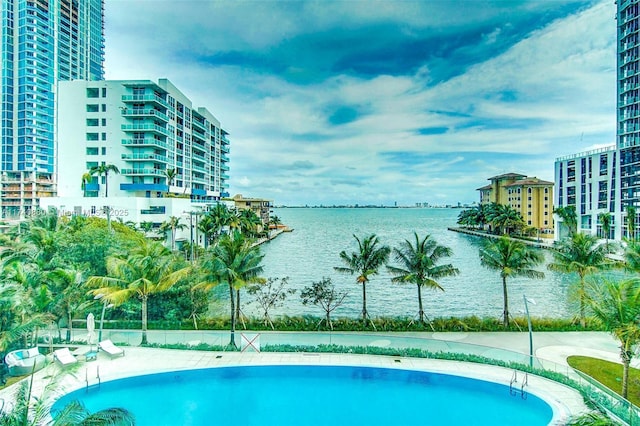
{"x":260,"y":206}
{"x":530,"y":196}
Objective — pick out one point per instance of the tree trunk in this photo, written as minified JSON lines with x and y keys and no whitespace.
{"x":144,"y":321}
{"x":238,"y":311}
{"x":505,"y":312}
{"x":583,"y":321}
{"x":69,"y":326}
{"x":364,"y":301}
{"x":626,"y":360}
{"x":420,"y":310}
{"x":232,"y":342}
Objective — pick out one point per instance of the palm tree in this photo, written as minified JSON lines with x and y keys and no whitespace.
{"x":150,"y":268}
{"x":365,"y":262}
{"x":275,"y":222}
{"x":617,"y":306}
{"x":568,"y":217}
{"x":31,"y":410}
{"x":171,"y":175}
{"x":145,"y":227}
{"x":631,"y":222}
{"x":511,"y":258}
{"x":420,"y":265}
{"x":207,"y":226}
{"x":250,"y":222}
{"x":507,"y":219}
{"x":580,"y":254}
{"x":103,"y":170}
{"x":86,"y":179}
{"x":172,"y":226}
{"x":467,"y":218}
{"x":605,"y":221}
{"x":232,"y":261}
{"x":69,"y":294}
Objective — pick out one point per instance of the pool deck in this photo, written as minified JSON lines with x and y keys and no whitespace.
{"x":550,"y":346}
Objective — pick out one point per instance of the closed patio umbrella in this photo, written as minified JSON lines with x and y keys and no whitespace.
{"x":91,"y":328}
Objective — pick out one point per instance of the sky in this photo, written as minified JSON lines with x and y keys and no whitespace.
{"x":380,"y":102}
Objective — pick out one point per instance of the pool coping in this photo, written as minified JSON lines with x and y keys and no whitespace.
{"x":564,"y":400}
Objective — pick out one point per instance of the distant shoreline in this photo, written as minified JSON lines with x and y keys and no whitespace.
{"x":373,"y":207}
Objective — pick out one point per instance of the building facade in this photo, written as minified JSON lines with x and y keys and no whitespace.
{"x":609,"y":179}
{"x":260,"y":206}
{"x":170,"y":156}
{"x":628,"y":113}
{"x":43,"y":41}
{"x":529,"y":196}
{"x":587,"y":182}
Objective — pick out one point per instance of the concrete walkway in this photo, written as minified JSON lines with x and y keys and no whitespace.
{"x":550,"y":346}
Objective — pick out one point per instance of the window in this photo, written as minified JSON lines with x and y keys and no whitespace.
{"x":104,"y":136}
{"x":153,"y":210}
{"x":92,"y":151}
{"x":91,"y":122}
{"x":104,"y":122}
{"x":104,"y":150}
{"x":104,"y":107}
{"x":92,"y":92}
{"x":104,"y":92}
{"x":92,"y":136}
{"x":91,"y":164}
{"x":92,"y":107}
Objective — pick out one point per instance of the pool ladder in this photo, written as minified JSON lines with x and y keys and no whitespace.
{"x":513,"y":387}
{"x":86,"y":378}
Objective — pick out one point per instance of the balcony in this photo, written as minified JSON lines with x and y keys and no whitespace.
{"x":145,"y":127}
{"x":199,"y":147}
{"x":144,"y":142}
{"x":199,"y":126}
{"x":142,"y":172}
{"x":147,"y":112}
{"x":224,"y":148}
{"x":145,"y":98}
{"x":199,"y":168}
{"x":145,"y":157}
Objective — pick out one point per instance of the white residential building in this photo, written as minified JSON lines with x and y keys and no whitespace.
{"x":587,"y":181}
{"x":172,"y":157}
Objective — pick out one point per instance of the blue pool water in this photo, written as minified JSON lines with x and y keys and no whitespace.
{"x":313,"y":395}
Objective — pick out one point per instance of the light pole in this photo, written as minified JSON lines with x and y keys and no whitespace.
{"x":526,"y":309}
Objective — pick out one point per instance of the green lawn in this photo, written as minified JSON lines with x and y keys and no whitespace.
{"x":609,"y":374}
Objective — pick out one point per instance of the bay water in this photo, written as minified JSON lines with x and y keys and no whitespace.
{"x":311,"y":252}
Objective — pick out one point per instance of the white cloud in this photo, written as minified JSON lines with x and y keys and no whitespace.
{"x":550,"y":94}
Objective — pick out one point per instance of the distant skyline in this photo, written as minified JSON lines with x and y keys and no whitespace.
{"x":377,"y":102}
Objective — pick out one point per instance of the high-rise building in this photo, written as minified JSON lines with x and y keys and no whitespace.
{"x":43,"y":41}
{"x":609,"y":179}
{"x":628,"y":116}
{"x":171,"y":157}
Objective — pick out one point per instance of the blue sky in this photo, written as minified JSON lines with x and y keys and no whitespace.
{"x":377,"y":102}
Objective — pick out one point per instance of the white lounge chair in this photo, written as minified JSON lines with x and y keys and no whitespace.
{"x":64,"y":356}
{"x":110,"y":348}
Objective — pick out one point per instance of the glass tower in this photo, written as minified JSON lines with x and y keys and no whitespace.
{"x":43,"y":41}
{"x":628,"y":116}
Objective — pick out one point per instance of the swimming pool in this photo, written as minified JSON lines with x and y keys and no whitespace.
{"x":313,"y":395}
